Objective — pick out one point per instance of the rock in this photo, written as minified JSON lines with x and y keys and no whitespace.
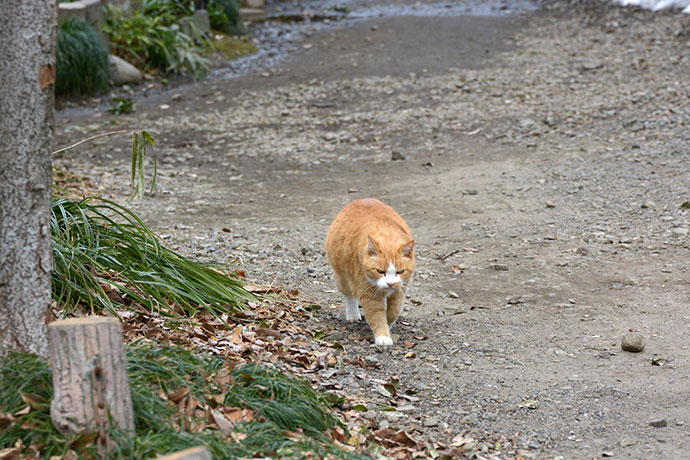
{"x":533,"y":445}
{"x":176,"y":97}
{"x":197,"y":24}
{"x":633,"y":342}
{"x":430,"y":422}
{"x":549,"y":204}
{"x":658,"y":423}
{"x":90,"y":11}
{"x":679,"y":232}
{"x":122,"y":72}
{"x":499,"y":267}
{"x":648,"y":205}
{"x":397,"y":156}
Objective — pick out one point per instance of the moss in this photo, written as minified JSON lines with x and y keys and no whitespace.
{"x":231,"y":48}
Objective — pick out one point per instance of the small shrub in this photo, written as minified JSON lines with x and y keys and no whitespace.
{"x":224,"y":16}
{"x":122,"y":105}
{"x":82,"y":59}
{"x":152,"y":38}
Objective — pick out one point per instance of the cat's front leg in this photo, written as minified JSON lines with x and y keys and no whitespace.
{"x":395,"y":304}
{"x":352,"y":309}
{"x":375,"y":312}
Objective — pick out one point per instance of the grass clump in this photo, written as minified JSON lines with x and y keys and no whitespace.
{"x":152,"y":37}
{"x":225,"y":16}
{"x":106,"y":258}
{"x":82,"y":59}
{"x":155,"y":373}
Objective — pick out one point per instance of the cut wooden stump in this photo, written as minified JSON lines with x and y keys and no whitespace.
{"x":195,"y":453}
{"x":87,"y":359}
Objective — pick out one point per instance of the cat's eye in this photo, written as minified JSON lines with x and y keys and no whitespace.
{"x":400,"y":272}
{"x":380,"y":272}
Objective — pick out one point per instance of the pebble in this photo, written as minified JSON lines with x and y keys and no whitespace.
{"x":679,"y":232}
{"x":430,"y":422}
{"x":499,"y":267}
{"x":633,"y":342}
{"x":397,"y":156}
{"x":658,"y":423}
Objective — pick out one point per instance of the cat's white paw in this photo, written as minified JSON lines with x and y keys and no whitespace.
{"x":352,"y":309}
{"x":350,"y":316}
{"x":384,"y":341}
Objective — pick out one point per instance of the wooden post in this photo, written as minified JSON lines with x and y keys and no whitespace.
{"x":195,"y":453}
{"x":87,"y":359}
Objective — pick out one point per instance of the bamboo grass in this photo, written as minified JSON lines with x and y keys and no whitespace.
{"x":106,"y":258}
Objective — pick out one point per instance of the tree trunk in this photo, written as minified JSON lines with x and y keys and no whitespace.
{"x":27,"y":119}
{"x":90,"y":382}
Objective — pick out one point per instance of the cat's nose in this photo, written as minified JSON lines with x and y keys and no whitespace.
{"x":391,"y":284}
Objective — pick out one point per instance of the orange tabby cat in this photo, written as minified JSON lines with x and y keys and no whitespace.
{"x":370,"y":248}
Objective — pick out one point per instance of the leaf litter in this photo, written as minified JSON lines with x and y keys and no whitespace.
{"x":275,"y":332}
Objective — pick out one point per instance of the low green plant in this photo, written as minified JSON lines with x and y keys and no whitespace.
{"x":154,"y":40}
{"x":82,"y":59}
{"x":140,"y":140}
{"x":153,"y":371}
{"x":225,"y":16}
{"x":122,"y":105}
{"x":171,"y":8}
{"x":106,"y":258}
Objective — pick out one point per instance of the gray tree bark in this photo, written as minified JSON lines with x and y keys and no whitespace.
{"x":27,"y":118}
{"x":90,"y":381}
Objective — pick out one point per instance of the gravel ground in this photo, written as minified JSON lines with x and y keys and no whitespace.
{"x":542,"y":161}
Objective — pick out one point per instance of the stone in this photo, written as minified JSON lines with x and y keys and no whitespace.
{"x":90,"y":11}
{"x":633,"y":342}
{"x":397,"y":156}
{"x":258,"y":4}
{"x":197,"y":24}
{"x":499,"y":267}
{"x":679,"y":232}
{"x":658,"y":423}
{"x":431,"y":422}
{"x":122,"y":72}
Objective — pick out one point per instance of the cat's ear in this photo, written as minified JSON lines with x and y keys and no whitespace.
{"x":372,"y":247}
{"x":407,"y":249}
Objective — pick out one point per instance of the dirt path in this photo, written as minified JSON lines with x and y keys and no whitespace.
{"x":545,"y":164}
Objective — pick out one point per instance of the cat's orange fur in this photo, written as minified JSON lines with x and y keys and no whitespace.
{"x":371,"y":250}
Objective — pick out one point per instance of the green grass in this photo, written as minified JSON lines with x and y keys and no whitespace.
{"x":152,"y":37}
{"x":106,"y":258}
{"x":82,"y":59}
{"x":154,"y":369}
{"x":224,"y":16}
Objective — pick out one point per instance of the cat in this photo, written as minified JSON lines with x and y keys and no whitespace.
{"x":371,"y":250}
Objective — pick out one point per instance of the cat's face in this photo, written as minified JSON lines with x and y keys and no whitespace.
{"x":389,"y":268}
